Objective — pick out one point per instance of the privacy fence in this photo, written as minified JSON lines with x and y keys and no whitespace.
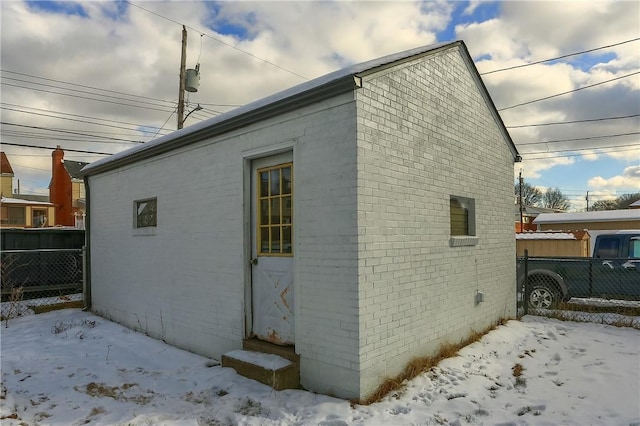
{"x":580,"y":289}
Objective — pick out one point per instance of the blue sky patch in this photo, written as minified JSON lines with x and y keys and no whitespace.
{"x":483,"y":12}
{"x":62,"y":7}
{"x":237,"y":26}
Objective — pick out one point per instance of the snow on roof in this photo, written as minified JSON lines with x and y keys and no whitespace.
{"x":7,"y":200}
{"x":323,"y":84}
{"x":253,"y":106}
{"x":635,"y":204}
{"x":599,"y":216}
{"x":546,"y":236}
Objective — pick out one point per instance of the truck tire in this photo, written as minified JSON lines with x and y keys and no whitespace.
{"x":543,"y":296}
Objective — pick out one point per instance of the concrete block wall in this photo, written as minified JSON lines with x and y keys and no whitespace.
{"x":425,"y":133}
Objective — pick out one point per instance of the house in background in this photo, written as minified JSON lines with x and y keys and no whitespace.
{"x":66,"y":190}
{"x":21,"y":212}
{"x":596,"y":222}
{"x":358,"y":220}
{"x":529,"y":213}
{"x":6,"y":176}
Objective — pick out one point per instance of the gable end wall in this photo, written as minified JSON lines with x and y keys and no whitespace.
{"x":425,"y":133}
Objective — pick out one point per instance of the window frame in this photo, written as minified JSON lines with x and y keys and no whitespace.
{"x":136,"y":214}
{"x":468,"y":237}
{"x":269,"y":198}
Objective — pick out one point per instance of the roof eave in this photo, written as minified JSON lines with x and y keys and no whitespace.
{"x":296,"y":101}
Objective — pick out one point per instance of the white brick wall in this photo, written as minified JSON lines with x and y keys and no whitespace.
{"x":185,"y":284}
{"x":376,"y":282}
{"x":425,"y":133}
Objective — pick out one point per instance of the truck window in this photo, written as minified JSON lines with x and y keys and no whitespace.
{"x":607,"y":247}
{"x":634,"y":248}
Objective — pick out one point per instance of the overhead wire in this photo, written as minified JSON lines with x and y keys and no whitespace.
{"x":573,"y":122}
{"x":580,"y":139}
{"x":570,"y":91}
{"x":560,"y":57}
{"x":218,"y":40}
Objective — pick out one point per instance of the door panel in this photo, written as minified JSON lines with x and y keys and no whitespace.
{"x":272,"y":264}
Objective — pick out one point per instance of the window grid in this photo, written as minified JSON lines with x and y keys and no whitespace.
{"x":275,"y":210}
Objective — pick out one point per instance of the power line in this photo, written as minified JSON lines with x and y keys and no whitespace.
{"x":67,"y":131}
{"x":219,"y":41}
{"x":570,"y":91}
{"x":51,"y":148}
{"x":80,"y":85}
{"x":580,"y":139}
{"x":136,"y":125}
{"x":600,"y":151}
{"x":85,"y":97}
{"x":560,"y":57}
{"x":572,"y":122}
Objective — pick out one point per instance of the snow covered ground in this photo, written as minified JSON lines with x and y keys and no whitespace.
{"x":71,"y":368}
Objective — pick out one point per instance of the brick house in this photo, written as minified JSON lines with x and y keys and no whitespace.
{"x":23,"y":212}
{"x":66,"y":190}
{"x":353,"y":219}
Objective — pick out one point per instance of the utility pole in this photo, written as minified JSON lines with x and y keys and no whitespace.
{"x":587,"y":198}
{"x":520,"y":201}
{"x":183,"y":61}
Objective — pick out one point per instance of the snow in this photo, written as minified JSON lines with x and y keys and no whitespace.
{"x":7,"y":200}
{"x":292,"y":92}
{"x":597,"y":216}
{"x":267,"y":361}
{"x":71,"y":367}
{"x":545,"y":236}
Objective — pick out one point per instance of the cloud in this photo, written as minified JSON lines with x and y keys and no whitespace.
{"x":630,"y":178}
{"x":135,"y":55}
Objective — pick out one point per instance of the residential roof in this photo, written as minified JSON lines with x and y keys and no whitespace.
{"x":7,"y":200}
{"x":324,"y":87}
{"x":597,"y":216}
{"x":5,"y":165}
{"x":552,"y":235}
{"x":31,"y":197}
{"x":635,"y":204}
{"x":73,"y":168}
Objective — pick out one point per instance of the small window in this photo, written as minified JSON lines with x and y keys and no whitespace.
{"x":275,"y":212}
{"x":146,"y":214}
{"x":462,"y":221}
{"x":462,"y":216}
{"x":634,"y":248}
{"x":13,"y":216}
{"x":608,"y":247}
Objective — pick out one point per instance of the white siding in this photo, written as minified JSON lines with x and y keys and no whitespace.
{"x":425,"y":133}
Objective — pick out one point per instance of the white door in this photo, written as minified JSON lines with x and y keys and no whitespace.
{"x":272,"y":254}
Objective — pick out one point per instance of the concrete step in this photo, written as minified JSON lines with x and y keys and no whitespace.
{"x":272,"y":370}
{"x":258,"y":345}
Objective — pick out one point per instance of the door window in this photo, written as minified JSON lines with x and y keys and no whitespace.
{"x":275,"y":210}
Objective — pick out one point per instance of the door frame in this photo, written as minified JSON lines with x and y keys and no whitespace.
{"x":248,"y":157}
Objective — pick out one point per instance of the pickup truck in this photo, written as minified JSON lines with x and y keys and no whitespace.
{"x":612,"y":272}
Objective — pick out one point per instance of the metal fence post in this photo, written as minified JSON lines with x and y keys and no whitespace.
{"x":525,"y":308}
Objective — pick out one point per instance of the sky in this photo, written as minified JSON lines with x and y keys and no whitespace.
{"x":101,"y":77}
{"x":71,"y":367}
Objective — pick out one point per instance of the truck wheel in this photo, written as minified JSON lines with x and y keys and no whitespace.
{"x":543,"y":297}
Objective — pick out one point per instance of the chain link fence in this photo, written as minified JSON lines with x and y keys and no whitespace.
{"x":32,"y":280}
{"x":580,"y":289}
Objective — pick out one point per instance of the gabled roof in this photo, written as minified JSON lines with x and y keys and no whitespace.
{"x":73,"y":168}
{"x":5,"y":165}
{"x":329,"y":85}
{"x":597,"y":216}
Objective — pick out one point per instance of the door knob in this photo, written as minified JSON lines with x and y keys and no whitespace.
{"x":253,"y":261}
